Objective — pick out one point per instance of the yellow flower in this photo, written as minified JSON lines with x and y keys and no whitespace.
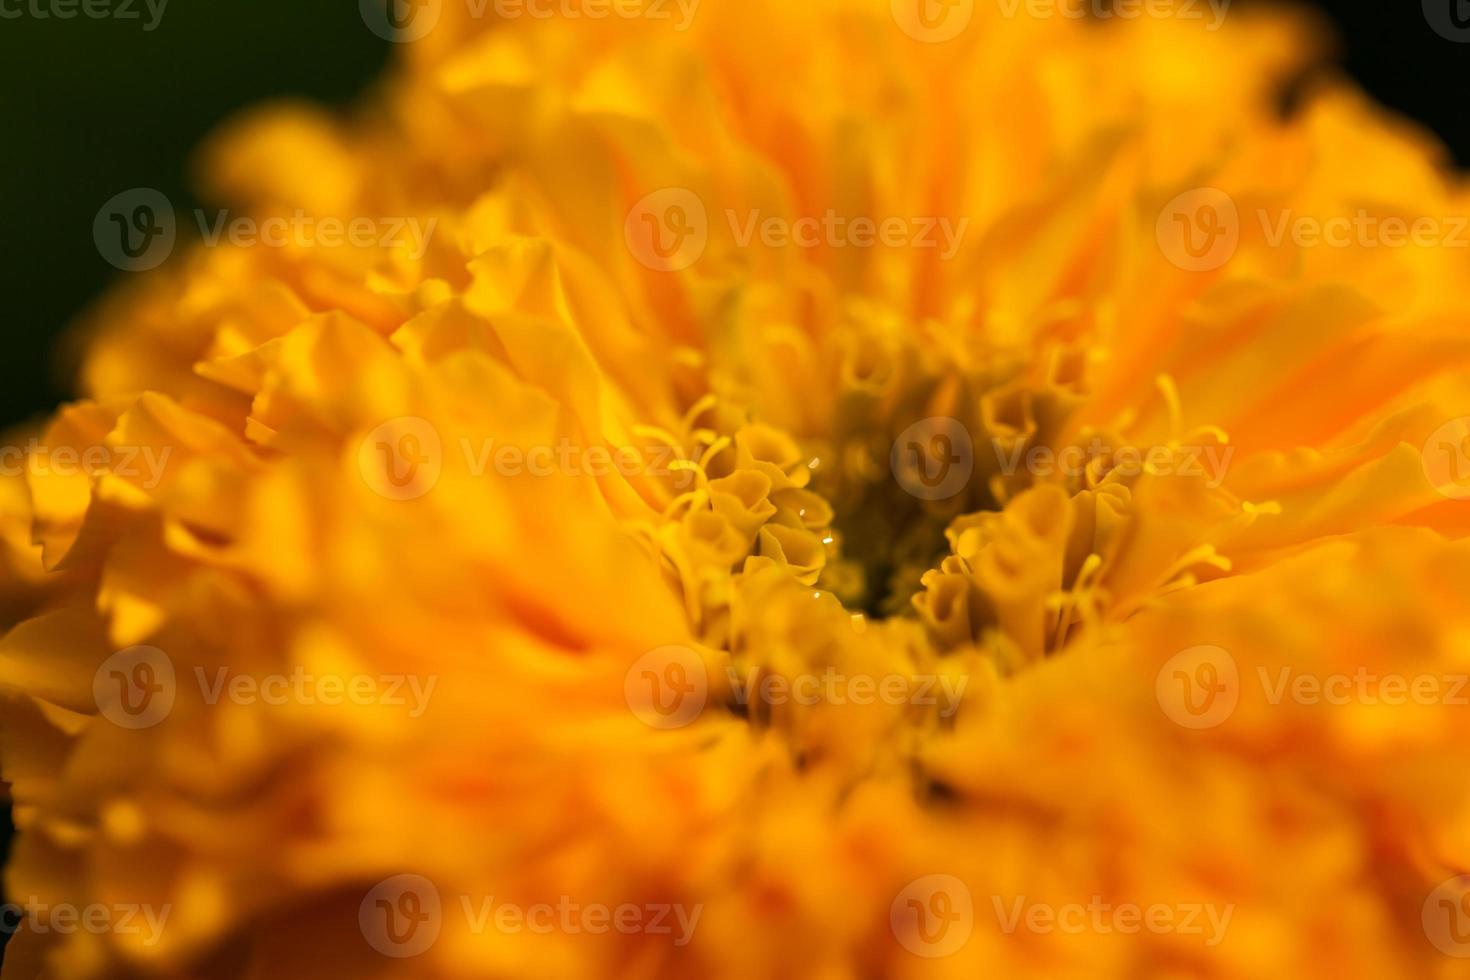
{"x":840,"y":489}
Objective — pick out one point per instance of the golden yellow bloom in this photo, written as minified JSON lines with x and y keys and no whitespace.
{"x":841,"y":489}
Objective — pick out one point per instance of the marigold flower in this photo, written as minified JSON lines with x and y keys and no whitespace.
{"x":825,"y":499}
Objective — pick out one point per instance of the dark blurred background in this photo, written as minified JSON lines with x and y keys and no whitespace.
{"x":91,"y":108}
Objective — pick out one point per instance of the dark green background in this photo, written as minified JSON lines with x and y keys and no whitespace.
{"x":92,"y":108}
